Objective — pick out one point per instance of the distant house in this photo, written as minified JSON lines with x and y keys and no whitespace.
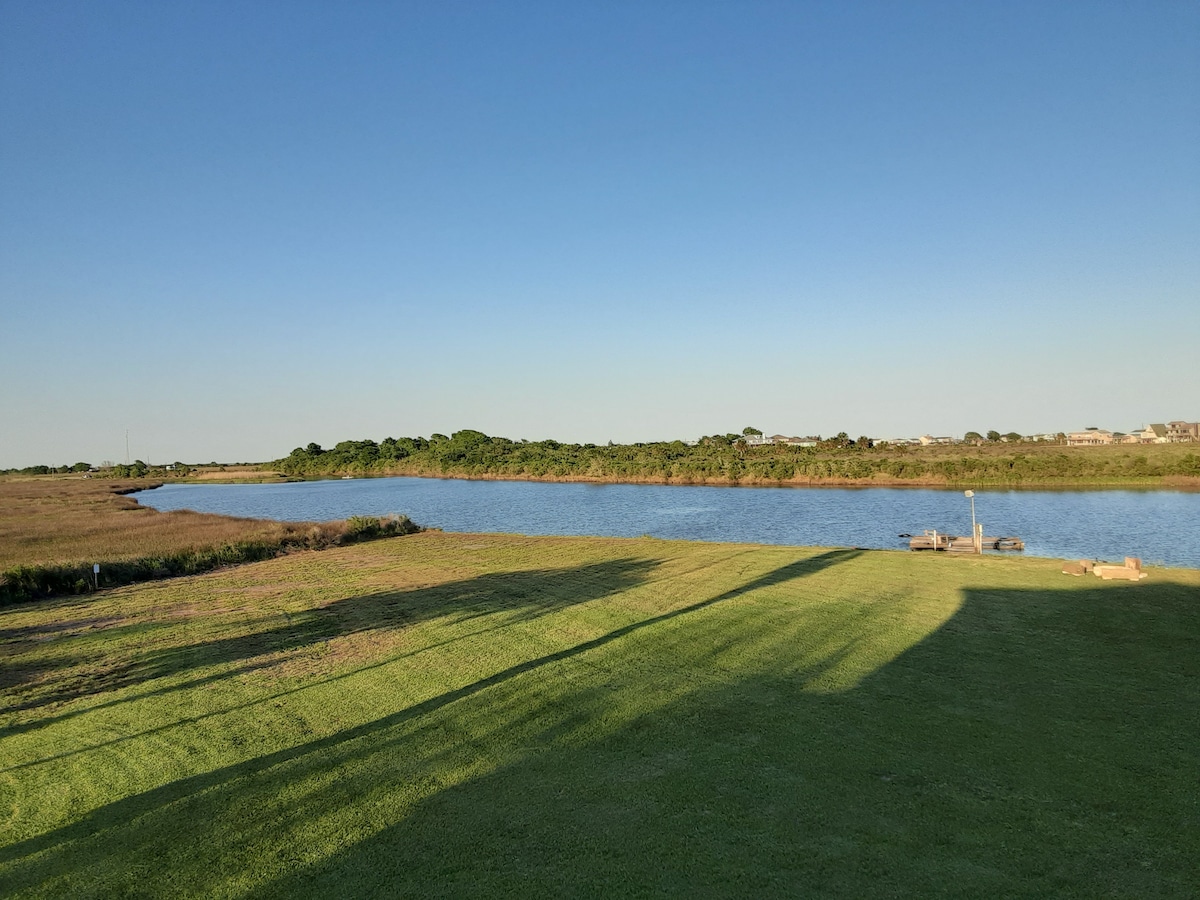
{"x":1089,"y":437}
{"x":759,"y":440}
{"x":1183,"y":432}
{"x":1154,"y":434}
{"x":927,"y":439}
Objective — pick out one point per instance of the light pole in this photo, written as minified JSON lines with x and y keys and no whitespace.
{"x":970,"y":495}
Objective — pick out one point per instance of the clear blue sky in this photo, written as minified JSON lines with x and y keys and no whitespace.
{"x":234,"y":228}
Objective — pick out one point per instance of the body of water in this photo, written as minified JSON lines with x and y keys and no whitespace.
{"x":1162,"y":527}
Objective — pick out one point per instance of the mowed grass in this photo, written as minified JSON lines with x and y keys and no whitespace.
{"x":446,"y":715}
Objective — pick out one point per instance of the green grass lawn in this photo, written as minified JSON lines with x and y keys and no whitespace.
{"x":441,"y":715}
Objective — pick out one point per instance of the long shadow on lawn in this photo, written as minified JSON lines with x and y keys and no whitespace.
{"x":124,"y":812}
{"x":1038,"y":742}
{"x":504,"y":598}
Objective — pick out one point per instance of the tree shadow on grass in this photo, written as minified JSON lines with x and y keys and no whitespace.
{"x":316,"y":751}
{"x":632,"y":572}
{"x":503,"y":598}
{"x":1037,"y":742}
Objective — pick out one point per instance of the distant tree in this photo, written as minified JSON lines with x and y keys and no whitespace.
{"x":1013,"y":438}
{"x":313,"y":450}
{"x":993,"y":436}
{"x":864,"y":443}
{"x":973,"y":437}
{"x":469,"y":438}
{"x":840,"y":442}
{"x":750,"y":429}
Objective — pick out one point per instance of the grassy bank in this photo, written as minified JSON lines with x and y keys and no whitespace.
{"x":482,"y":714}
{"x":54,"y":529}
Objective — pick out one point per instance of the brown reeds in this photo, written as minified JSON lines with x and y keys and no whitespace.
{"x":53,"y":530}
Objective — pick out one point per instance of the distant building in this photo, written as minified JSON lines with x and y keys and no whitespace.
{"x":1183,"y":432}
{"x":927,"y":439}
{"x":1089,"y":437}
{"x":759,"y":440}
{"x":1154,"y":434}
{"x":795,"y":441}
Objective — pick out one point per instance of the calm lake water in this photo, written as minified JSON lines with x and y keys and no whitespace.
{"x":1162,"y":527}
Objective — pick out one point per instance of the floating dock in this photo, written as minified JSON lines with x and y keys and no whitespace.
{"x":954,"y":543}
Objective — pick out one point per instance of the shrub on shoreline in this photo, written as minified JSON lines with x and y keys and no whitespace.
{"x":31,"y":582}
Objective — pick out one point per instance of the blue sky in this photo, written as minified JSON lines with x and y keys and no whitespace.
{"x":234,"y":228}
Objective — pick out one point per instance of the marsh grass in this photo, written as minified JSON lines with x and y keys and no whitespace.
{"x":486,"y":714}
{"x":54,"y":529}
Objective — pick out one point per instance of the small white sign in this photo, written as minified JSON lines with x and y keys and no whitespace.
{"x":96,"y":569}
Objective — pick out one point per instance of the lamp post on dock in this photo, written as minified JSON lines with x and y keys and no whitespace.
{"x":970,"y":495}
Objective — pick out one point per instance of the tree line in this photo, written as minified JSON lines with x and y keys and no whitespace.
{"x":719,"y":458}
{"x":135,"y":469}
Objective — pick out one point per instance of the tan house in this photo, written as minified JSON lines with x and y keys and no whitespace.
{"x":1089,"y":437}
{"x":1154,"y":434}
{"x":1183,"y":432}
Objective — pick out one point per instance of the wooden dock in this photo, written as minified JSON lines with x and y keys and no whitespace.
{"x":954,"y":543}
